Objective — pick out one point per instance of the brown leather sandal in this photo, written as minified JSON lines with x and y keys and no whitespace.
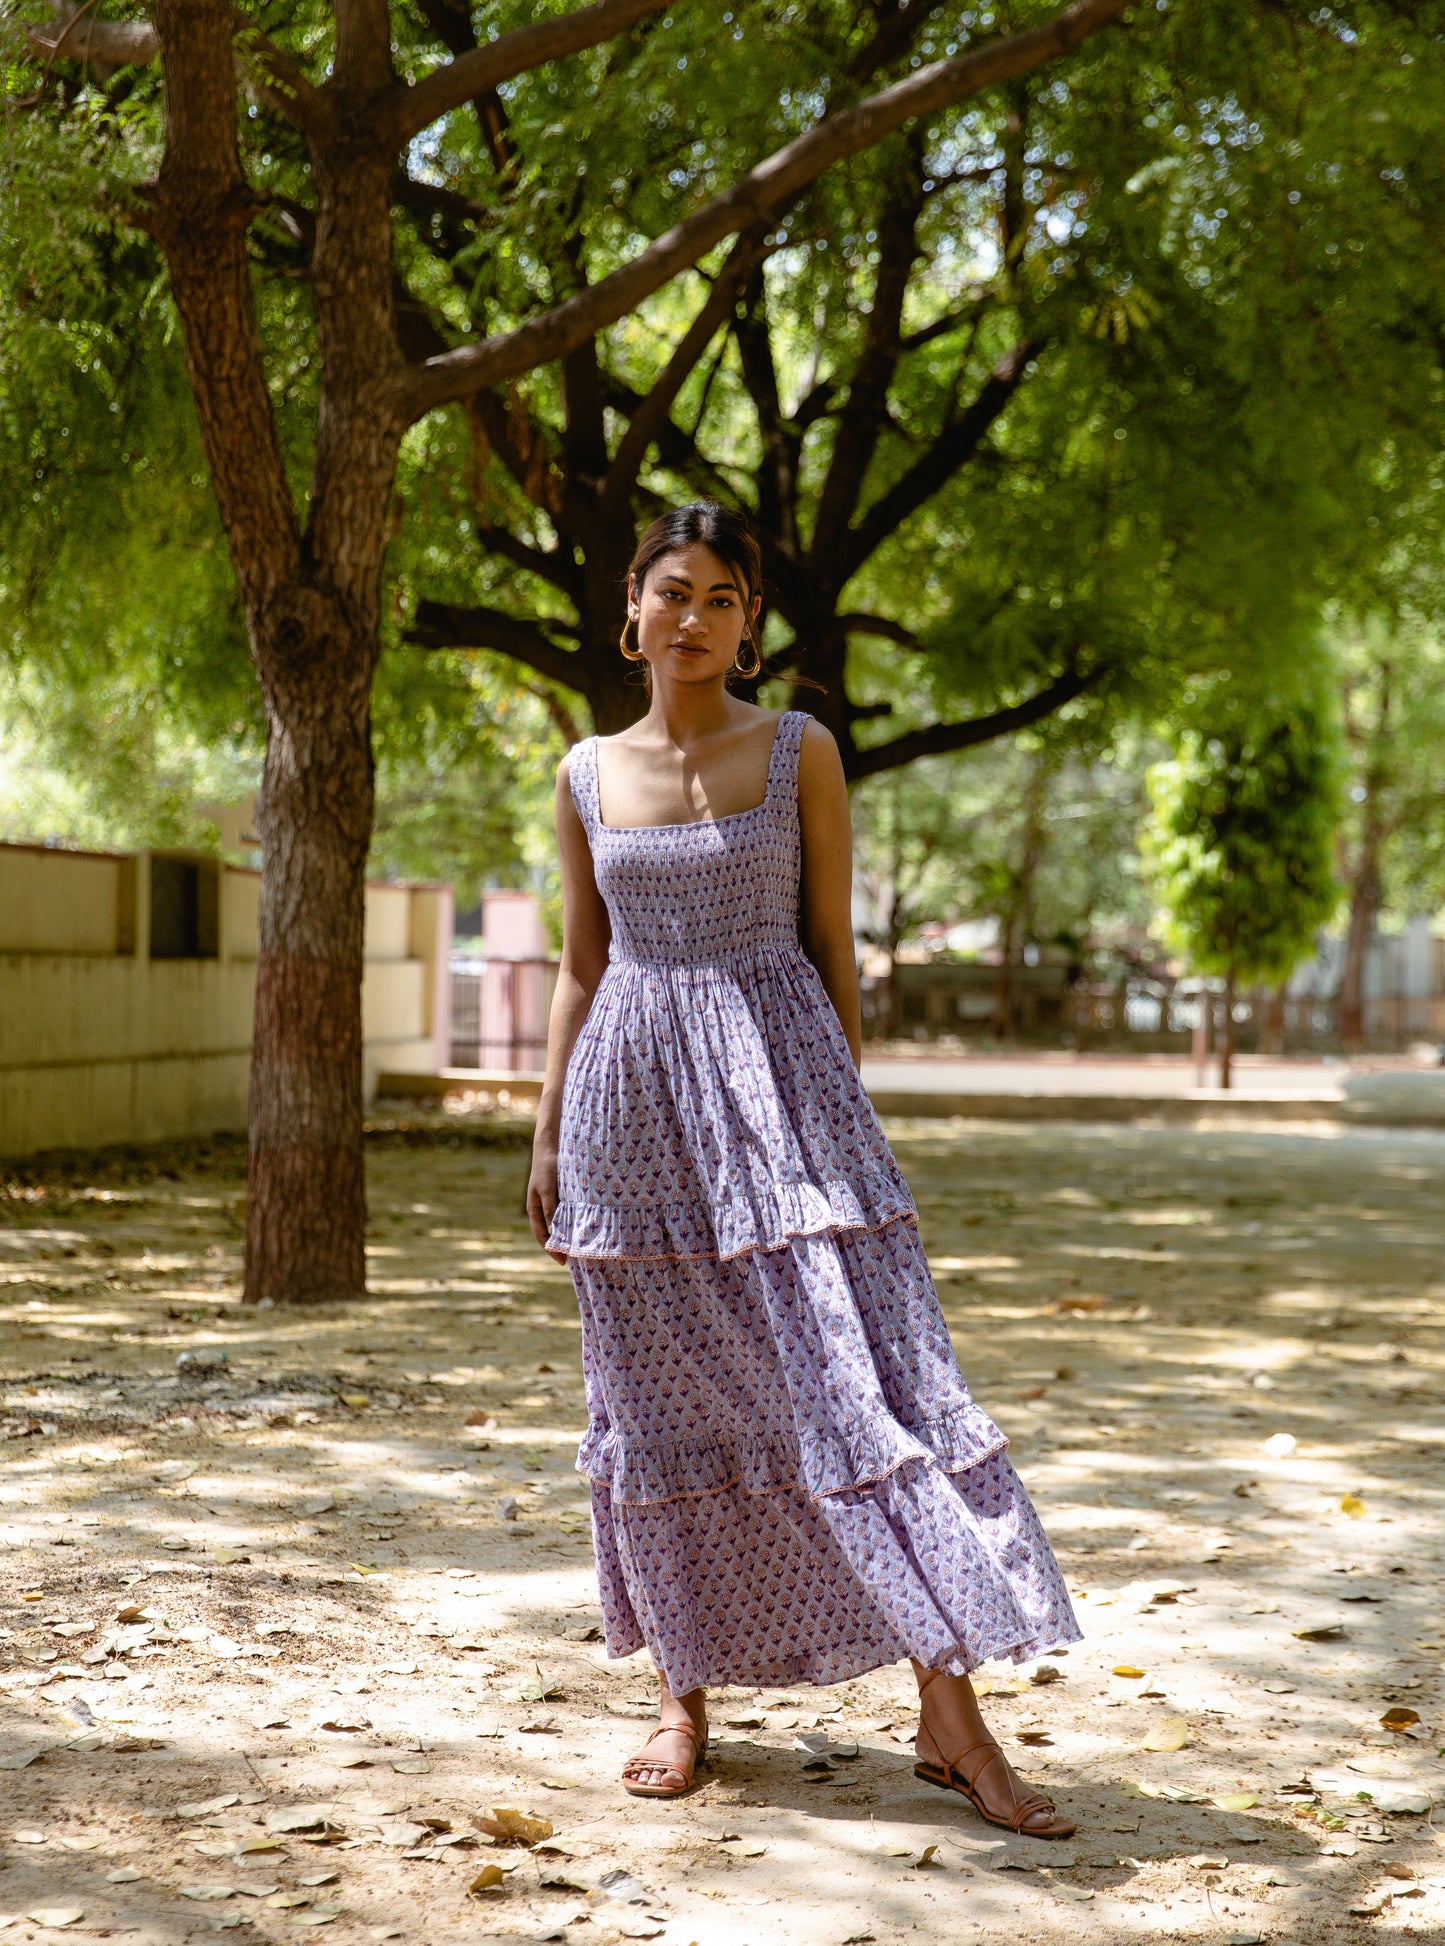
{"x":687,"y":1778}
{"x":948,"y":1774}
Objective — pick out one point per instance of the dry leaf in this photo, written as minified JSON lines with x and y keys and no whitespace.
{"x":1034,"y":1737}
{"x":1352,"y":1504}
{"x":1237,"y":1801}
{"x":1322,"y":1631}
{"x":744,"y":1848}
{"x":1046,"y":1673}
{"x":1399,"y":1718}
{"x":206,"y":1891}
{"x":319,"y":1915}
{"x":411,"y":1766}
{"x":509,"y":1822}
{"x":488,"y":1879}
{"x":56,"y":1915}
{"x":1126,"y":1669}
{"x":301,"y":1817}
{"x":1204,"y":1861}
{"x":22,"y":1758}
{"x":1172,"y":1733}
{"x":123,"y":1875}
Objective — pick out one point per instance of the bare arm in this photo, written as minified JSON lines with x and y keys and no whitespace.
{"x":826,"y":917}
{"x":586,"y":935}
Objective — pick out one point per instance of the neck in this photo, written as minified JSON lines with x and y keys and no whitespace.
{"x":689,"y":713}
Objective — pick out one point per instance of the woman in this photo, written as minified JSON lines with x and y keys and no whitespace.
{"x":790,"y":1482}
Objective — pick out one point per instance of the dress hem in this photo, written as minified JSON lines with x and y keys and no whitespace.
{"x":682,"y":1232}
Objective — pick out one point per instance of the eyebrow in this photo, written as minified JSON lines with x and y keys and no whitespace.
{"x":718,"y":587}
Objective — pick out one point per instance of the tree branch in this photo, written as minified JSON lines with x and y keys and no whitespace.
{"x":449,"y":625}
{"x":953,"y":448}
{"x":647,"y":422}
{"x":362,"y":63}
{"x":864,"y":414}
{"x":882,"y":627}
{"x":771,"y":185}
{"x":199,"y":210}
{"x":939,"y":738}
{"x":78,"y":36}
{"x":483,"y":69}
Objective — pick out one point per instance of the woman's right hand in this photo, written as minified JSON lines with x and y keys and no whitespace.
{"x":542,"y":1195}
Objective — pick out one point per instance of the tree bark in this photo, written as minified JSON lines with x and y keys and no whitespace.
{"x":1364,"y":910}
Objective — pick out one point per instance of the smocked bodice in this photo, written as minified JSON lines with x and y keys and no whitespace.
{"x":721,"y":889}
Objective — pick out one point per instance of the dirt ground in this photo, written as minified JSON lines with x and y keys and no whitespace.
{"x":292,"y":1599}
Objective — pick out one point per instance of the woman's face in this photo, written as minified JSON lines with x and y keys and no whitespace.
{"x":689,"y":614}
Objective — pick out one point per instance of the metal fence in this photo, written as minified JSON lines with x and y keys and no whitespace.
{"x":499,"y":1013}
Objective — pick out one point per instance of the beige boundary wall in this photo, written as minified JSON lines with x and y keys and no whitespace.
{"x":126,"y":989}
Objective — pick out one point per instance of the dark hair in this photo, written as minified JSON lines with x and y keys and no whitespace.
{"x":729,"y":537}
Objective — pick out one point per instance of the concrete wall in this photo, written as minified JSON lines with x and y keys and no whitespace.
{"x":103,"y":1041}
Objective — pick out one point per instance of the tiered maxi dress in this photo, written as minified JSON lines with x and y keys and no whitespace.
{"x":790,"y":1481}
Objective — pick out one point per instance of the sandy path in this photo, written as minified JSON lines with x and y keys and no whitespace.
{"x":312,"y":1534}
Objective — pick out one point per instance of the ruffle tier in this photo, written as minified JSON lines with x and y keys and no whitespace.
{"x":643,"y":1471}
{"x":711,"y":1109}
{"x":759,"y":1216}
{"x":772,"y":1589}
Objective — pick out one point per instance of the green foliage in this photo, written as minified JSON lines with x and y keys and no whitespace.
{"x":1392,"y":677}
{"x":1239,"y":846}
{"x":1038,"y":832}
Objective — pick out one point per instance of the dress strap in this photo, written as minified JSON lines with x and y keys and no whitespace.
{"x":783,"y":764}
{"x":582,"y":775}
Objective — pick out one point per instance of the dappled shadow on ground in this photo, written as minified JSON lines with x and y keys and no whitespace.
{"x":1217,"y":1357}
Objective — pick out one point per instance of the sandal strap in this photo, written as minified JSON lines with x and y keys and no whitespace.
{"x":638,"y":1761}
{"x":699,"y":1737}
{"x":1026,"y":1807}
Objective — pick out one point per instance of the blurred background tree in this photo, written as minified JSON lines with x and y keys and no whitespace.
{"x":1240,"y":842}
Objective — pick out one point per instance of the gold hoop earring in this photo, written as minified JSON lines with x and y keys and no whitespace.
{"x":633,"y":655}
{"x":756,"y":664}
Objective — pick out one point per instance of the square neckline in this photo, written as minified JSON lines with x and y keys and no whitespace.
{"x":691,"y":824}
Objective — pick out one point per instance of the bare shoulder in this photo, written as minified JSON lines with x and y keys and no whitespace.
{"x":819,"y":761}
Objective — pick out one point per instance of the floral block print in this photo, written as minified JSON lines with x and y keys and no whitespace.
{"x":790,"y":1480}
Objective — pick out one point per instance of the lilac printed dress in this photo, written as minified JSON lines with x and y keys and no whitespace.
{"x":790,"y":1481}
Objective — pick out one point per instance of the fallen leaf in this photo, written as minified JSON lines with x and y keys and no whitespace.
{"x":1237,"y":1801}
{"x":411,"y":1767}
{"x":538,"y":1688}
{"x":251,"y":1847}
{"x":301,"y":1817}
{"x":1322,"y":1631}
{"x":508,"y":1821}
{"x":1372,"y":1902}
{"x":1204,"y":1861}
{"x":1046,"y":1673}
{"x":1172,"y":1733}
{"x":284,"y":1901}
{"x":130,"y":1746}
{"x":123,"y":1875}
{"x":319,"y":1915}
{"x":206,"y":1891}
{"x":344,"y":1720}
{"x":1399,"y":1718}
{"x":56,"y":1915}
{"x":488,"y":1879}
{"x":22,"y":1758}
{"x":1279,"y":1444}
{"x":29,"y":1837}
{"x":1035,"y":1737}
{"x":750,"y":1848}
{"x":1126,"y":1669}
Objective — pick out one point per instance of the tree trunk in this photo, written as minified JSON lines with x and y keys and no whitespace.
{"x":1364,"y":906}
{"x":306,"y":1208}
{"x":1203,"y":1020}
{"x":1226,"y":1038}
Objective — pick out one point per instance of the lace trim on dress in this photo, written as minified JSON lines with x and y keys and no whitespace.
{"x":769,"y":1221}
{"x":641,"y":1472}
